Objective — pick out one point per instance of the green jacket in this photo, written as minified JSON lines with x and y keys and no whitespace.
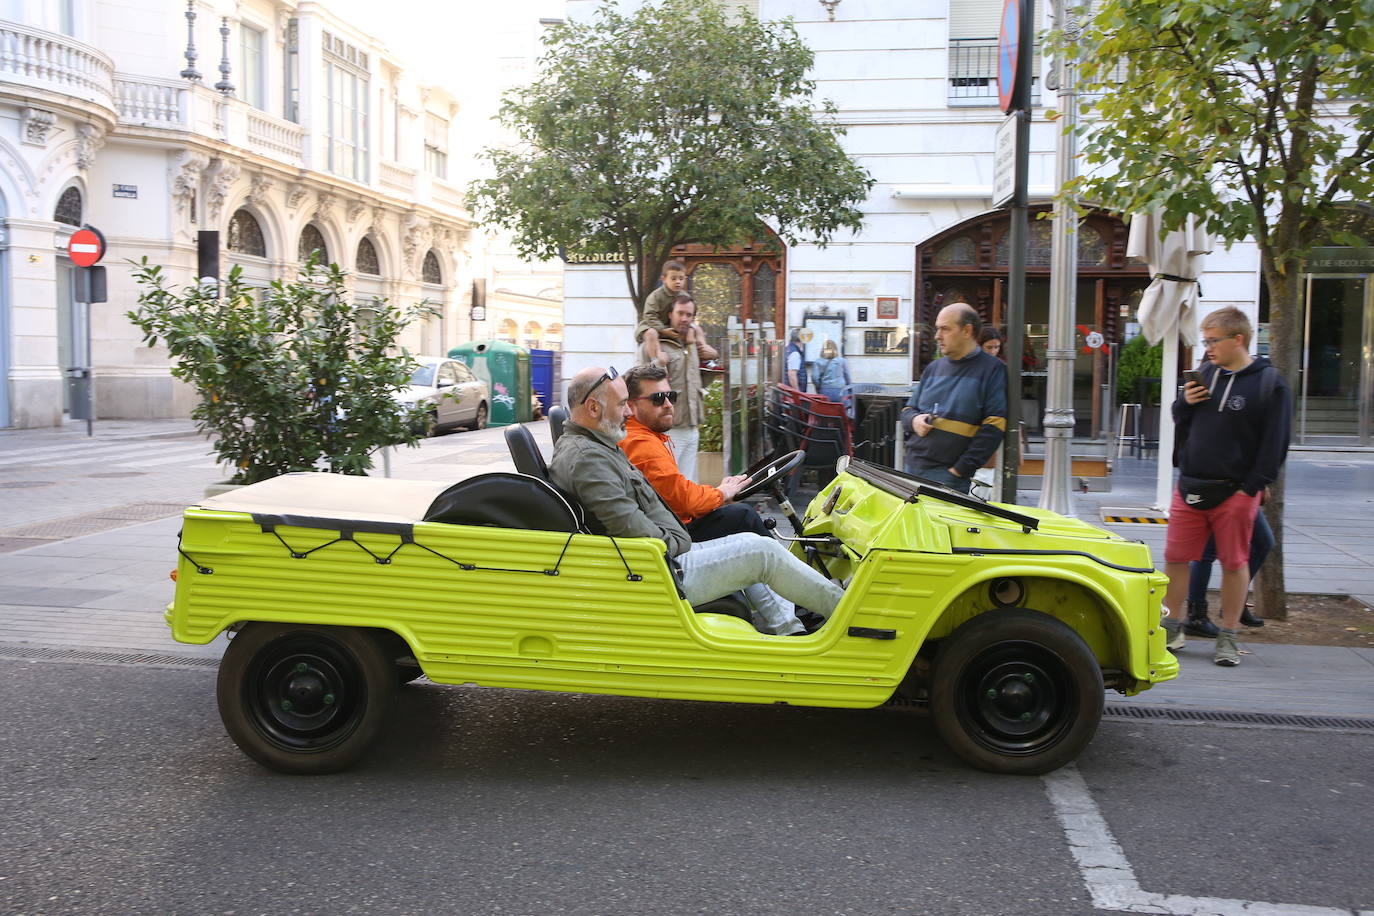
{"x":592,"y":468}
{"x":657,"y":309}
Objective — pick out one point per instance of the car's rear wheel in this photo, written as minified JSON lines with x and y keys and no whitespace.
{"x":431,"y":427}
{"x":1016,"y":691}
{"x":482,"y":416}
{"x":305,"y":699}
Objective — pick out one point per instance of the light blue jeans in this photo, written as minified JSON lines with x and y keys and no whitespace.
{"x":773,"y":579}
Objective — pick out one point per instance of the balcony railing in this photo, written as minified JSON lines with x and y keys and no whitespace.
{"x":43,"y":60}
{"x":151,"y":102}
{"x":397,"y":178}
{"x":275,"y":137}
{"x":973,"y":72}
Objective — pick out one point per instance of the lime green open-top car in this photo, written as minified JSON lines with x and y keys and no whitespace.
{"x":1007,"y":623}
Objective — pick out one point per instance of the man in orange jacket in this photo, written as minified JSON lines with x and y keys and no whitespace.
{"x":706,"y":512}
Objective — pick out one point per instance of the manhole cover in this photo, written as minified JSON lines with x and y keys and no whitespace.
{"x":119,"y":474}
{"x":25,"y":484}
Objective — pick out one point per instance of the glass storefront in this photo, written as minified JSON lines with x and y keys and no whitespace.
{"x":1334,"y":401}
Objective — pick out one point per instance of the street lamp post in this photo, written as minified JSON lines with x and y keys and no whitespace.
{"x":1059,"y":417}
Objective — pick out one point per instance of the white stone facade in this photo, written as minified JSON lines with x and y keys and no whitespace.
{"x":323,"y":129}
{"x":888,"y":65}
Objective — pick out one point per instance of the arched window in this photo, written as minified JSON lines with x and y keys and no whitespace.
{"x":553,"y":337}
{"x":245,"y":235}
{"x":1037,"y":244}
{"x":765,"y":291}
{"x":507,"y":331}
{"x":430,"y":272}
{"x":365,"y":262}
{"x":312,"y":241}
{"x":533,"y":334}
{"x":68,"y":208}
{"x":718,"y":290}
{"x":957,"y":252}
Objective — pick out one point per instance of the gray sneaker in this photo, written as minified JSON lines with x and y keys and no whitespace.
{"x":1226,"y":654}
{"x":1174,"y":627}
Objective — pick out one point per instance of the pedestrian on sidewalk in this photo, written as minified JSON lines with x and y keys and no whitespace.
{"x":1232,"y":427}
{"x":831,"y":373}
{"x":956,"y":418}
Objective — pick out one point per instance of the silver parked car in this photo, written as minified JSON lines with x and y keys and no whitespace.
{"x":455,"y":397}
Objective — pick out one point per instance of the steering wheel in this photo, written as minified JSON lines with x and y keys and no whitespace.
{"x":770,"y":472}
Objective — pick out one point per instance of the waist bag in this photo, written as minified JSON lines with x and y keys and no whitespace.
{"x":1200,"y":493}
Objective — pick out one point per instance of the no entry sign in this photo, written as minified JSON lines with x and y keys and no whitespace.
{"x":86,"y":246}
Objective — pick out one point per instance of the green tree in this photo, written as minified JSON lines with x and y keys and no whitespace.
{"x":1255,"y":114}
{"x":290,"y":378}
{"x":675,"y":123}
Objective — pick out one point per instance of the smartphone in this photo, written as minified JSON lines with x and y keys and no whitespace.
{"x":1192,"y":375}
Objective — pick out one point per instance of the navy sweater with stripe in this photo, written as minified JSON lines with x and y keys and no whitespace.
{"x":970,"y":395}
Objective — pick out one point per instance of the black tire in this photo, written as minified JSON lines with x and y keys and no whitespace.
{"x":431,"y":427}
{"x":305,"y":699}
{"x":407,"y":673}
{"x":483,"y":414}
{"x":1016,"y":691}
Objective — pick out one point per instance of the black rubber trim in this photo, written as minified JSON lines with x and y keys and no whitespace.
{"x":405,"y":530}
{"x":872,"y":633}
{"x":1014,"y":551}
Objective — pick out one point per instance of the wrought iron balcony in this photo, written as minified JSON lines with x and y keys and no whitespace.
{"x":973,"y":72}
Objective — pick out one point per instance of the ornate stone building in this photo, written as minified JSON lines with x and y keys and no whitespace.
{"x":282,"y":127}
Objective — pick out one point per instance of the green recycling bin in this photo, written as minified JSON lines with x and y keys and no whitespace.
{"x":506,"y":370}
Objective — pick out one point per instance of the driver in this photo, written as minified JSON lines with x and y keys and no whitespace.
{"x":587,"y":463}
{"x":706,"y":512}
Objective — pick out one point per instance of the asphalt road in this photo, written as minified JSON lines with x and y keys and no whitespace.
{"x":121,"y":794}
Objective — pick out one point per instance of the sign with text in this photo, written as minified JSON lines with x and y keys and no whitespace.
{"x":1004,"y":162}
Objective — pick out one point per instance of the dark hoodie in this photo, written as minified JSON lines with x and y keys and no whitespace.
{"x":1236,"y":434}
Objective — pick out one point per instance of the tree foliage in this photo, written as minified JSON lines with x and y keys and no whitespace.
{"x":675,"y":123}
{"x":1255,"y":114}
{"x":292,"y":378}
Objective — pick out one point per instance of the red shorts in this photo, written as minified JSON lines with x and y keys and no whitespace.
{"x":1231,"y":523}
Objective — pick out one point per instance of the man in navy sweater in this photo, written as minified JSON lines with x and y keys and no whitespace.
{"x":958,"y":414}
{"x":1231,"y":438}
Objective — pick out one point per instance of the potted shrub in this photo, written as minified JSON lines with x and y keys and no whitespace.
{"x":710,"y":453}
{"x":295,"y":377}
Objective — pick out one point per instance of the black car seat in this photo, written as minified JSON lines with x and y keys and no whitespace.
{"x":524,"y":451}
{"x":558,"y":415}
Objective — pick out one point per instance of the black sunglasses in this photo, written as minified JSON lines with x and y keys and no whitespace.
{"x":658,"y":397}
{"x":609,"y":375}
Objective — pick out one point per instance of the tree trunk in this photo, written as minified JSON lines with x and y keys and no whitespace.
{"x":1285,"y":343}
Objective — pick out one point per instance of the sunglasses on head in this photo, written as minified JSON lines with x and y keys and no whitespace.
{"x":609,"y":375}
{"x":657,"y":398}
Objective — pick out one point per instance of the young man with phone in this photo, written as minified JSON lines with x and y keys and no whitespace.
{"x":1232,"y":422}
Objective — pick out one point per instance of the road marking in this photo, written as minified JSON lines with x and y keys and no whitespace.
{"x":1110,"y":879}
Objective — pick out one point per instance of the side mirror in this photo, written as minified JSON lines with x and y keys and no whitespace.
{"x":444,"y":383}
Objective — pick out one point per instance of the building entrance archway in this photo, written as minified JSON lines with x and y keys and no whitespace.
{"x":970,"y":263}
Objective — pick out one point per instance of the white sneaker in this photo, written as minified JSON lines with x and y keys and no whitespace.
{"x":1174,"y":627}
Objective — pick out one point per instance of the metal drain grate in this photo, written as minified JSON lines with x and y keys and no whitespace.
{"x":106,"y":657}
{"x":94,"y":522}
{"x":1172,"y":714}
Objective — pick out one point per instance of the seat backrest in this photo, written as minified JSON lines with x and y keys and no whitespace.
{"x":558,"y":414}
{"x":524,"y":451}
{"x":506,"y":500}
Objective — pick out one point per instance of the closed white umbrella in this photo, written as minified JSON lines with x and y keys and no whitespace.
{"x":1168,"y":311}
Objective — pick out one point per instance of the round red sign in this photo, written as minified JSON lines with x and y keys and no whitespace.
{"x":1008,"y":54}
{"x":86,"y":246}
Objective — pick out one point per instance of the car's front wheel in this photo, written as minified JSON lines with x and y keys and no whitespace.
{"x":305,"y":699}
{"x":1016,"y":691}
{"x":482,"y":416}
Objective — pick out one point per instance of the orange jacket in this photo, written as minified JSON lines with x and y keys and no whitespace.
{"x":650,"y":452}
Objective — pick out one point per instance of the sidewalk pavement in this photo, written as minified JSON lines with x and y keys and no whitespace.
{"x":103,"y":586}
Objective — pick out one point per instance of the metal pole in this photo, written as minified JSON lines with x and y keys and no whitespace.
{"x":1059,"y":417}
{"x":1016,"y":307}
